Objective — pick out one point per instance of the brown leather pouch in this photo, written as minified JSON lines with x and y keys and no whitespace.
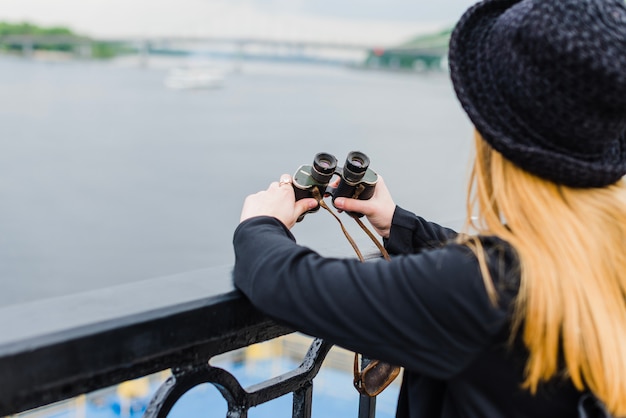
{"x":375,"y":377}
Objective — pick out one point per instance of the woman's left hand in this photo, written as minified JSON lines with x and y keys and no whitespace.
{"x":277,"y":201}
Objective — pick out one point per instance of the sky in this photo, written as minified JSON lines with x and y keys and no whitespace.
{"x":355,"y":21}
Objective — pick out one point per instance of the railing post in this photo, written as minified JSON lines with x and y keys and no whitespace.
{"x":302,"y":402}
{"x":367,"y":405}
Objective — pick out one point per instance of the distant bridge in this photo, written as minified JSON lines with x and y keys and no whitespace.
{"x":247,"y":41}
{"x":239,"y":47}
{"x":30,"y":42}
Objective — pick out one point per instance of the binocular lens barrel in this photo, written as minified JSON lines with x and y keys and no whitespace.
{"x":355,"y":167}
{"x":356,"y":181}
{"x":324,"y":166}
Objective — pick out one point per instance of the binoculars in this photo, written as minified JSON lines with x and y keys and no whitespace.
{"x":357,"y":180}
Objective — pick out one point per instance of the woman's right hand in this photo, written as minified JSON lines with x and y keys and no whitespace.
{"x":379,"y":209}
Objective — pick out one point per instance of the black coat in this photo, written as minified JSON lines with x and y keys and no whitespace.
{"x":426,"y":310}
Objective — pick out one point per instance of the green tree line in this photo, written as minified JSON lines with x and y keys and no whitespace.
{"x":68,"y":40}
{"x":25,"y":28}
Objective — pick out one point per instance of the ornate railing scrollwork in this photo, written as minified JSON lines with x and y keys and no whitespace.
{"x":240,"y":400}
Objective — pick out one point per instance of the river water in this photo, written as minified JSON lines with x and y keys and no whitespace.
{"x":107,"y":176}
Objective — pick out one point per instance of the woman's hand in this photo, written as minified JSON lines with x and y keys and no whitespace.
{"x":379,"y":209}
{"x":277,"y":201}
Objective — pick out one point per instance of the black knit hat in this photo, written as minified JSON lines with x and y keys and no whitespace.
{"x":544,"y":82}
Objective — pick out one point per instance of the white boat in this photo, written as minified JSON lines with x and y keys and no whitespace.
{"x":194,"y":78}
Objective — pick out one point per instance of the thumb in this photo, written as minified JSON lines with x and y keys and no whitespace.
{"x":352,"y":205}
{"x":304,"y":205}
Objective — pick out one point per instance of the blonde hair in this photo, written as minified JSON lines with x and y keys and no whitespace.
{"x":571,"y":246}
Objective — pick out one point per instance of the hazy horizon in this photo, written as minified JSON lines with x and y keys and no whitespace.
{"x":377,"y":22}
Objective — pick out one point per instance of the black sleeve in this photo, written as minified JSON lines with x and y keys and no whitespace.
{"x":411,"y":234}
{"x":427,"y":312}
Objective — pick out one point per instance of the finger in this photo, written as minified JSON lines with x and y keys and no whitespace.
{"x":352,"y":205}
{"x":285,"y":179}
{"x":304,"y":205}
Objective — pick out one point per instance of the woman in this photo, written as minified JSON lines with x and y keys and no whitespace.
{"x":528,"y":313}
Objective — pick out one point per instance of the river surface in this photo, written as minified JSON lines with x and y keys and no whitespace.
{"x":108,"y":177}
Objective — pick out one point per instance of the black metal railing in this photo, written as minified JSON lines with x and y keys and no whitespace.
{"x":53,"y":350}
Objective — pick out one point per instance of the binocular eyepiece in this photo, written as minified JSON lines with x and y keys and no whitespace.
{"x":357,"y":180}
